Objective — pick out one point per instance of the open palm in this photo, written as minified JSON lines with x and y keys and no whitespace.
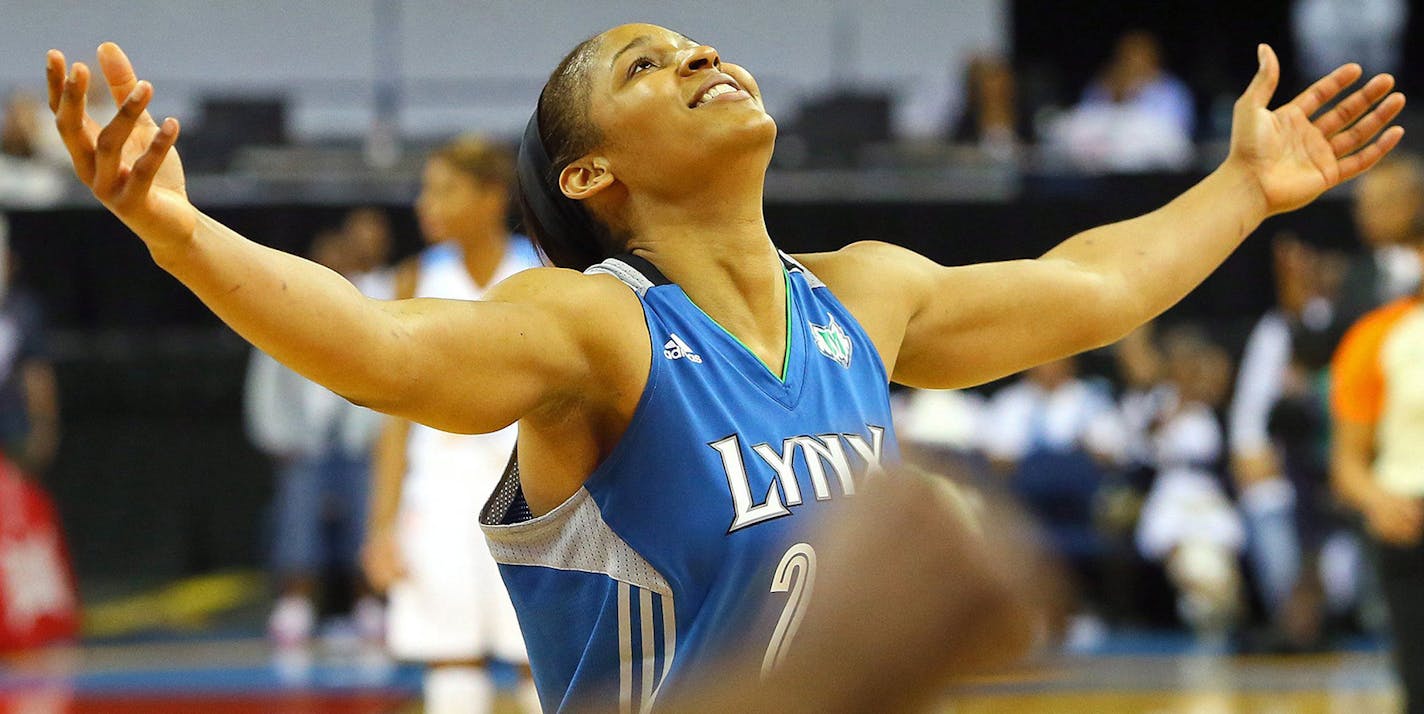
{"x":1295,"y":158}
{"x":128,"y":164}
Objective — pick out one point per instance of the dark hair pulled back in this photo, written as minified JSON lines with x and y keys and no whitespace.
{"x":559,"y":132}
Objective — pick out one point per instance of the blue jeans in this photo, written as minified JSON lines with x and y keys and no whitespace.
{"x":320,"y":513}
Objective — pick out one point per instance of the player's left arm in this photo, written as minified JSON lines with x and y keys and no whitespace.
{"x":966,"y":325}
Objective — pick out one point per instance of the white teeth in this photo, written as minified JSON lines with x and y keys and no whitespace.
{"x":715,"y":91}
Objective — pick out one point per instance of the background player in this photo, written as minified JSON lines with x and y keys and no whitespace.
{"x":448,"y":606}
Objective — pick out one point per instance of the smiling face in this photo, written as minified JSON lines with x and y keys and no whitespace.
{"x":669,"y":115}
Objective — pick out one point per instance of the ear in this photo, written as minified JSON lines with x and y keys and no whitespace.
{"x":586,"y":177}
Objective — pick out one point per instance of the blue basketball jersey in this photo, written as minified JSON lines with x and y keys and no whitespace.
{"x":694,"y":521}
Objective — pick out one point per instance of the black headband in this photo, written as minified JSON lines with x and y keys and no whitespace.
{"x":565,"y":222}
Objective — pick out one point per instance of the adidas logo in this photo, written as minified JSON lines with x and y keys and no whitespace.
{"x":675,"y":348}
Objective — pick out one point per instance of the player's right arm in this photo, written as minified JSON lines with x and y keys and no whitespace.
{"x":458,"y":366}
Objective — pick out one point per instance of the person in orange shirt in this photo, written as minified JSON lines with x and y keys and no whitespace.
{"x":1377,"y":409}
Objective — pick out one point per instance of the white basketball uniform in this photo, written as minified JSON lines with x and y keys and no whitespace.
{"x":451,"y":604}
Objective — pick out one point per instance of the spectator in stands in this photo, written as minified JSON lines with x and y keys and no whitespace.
{"x":1051,"y":410}
{"x":29,"y":395}
{"x":941,"y":422}
{"x":1187,"y":522}
{"x":32,"y":158}
{"x":368,"y":234}
{"x":990,"y":117}
{"x":1387,"y":203}
{"x":1056,"y":436}
{"x":1329,"y":33}
{"x":321,"y":444}
{"x":28,"y":131}
{"x":1134,"y":117}
{"x":1272,"y":369}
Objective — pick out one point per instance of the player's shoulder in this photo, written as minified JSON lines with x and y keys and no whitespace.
{"x":590,"y":303}
{"x":1360,"y":348}
{"x":559,"y":285}
{"x":1375,"y":324}
{"x":1392,"y":311}
{"x":864,"y":256}
{"x":864,"y":268}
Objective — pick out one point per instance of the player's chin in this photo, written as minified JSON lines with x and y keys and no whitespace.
{"x":739,"y":130}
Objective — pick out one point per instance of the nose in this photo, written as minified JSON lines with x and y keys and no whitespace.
{"x":699,"y":58}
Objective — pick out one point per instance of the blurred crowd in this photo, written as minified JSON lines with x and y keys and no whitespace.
{"x":1188,"y":486}
{"x":1138,"y":112}
{"x":1144,"y":109}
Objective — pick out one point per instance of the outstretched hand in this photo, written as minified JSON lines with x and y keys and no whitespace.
{"x":1294,"y":158}
{"x":129,"y":164}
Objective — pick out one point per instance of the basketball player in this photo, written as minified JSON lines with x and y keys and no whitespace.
{"x":448,"y":606}
{"x":685,"y":406}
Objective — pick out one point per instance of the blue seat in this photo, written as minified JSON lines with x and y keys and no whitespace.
{"x":1059,"y":488}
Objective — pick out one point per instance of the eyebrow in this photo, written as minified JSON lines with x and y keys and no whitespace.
{"x":639,"y":40}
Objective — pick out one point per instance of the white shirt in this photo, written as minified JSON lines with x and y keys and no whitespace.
{"x":1023,"y":418}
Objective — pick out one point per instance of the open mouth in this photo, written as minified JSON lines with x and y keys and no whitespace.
{"x":716,"y":87}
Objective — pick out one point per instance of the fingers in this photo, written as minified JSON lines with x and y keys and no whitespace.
{"x":109,"y":148}
{"x":1361,"y":161}
{"x":140,"y":177}
{"x":118,"y":71}
{"x":1354,"y":106}
{"x":1263,"y":85}
{"x":1360,"y":132}
{"x":69,"y":118}
{"x":1319,"y":94}
{"x":54,"y":78}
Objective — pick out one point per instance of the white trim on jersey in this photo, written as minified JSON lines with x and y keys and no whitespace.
{"x":812,"y":281}
{"x":574,"y":536}
{"x":621,"y":270}
{"x":643,"y":663}
{"x":645,"y":616}
{"x":625,"y":650}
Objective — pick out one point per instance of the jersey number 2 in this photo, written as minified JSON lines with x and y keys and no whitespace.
{"x":795,"y":574}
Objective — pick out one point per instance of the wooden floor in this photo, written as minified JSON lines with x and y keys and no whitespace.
{"x":1346,"y":683}
{"x":238,"y":676}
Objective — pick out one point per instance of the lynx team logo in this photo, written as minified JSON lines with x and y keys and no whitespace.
{"x":832,"y":340}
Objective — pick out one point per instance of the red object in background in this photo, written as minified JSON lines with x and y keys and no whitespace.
{"x":38,"y":600}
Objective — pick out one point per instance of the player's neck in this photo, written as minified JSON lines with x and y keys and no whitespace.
{"x":727,"y":265}
{"x":707,"y":242}
{"x":483,"y":251}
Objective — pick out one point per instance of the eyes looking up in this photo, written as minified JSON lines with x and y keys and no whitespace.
{"x":640,"y":65}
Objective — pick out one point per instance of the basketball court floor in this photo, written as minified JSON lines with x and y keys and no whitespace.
{"x":241,"y":676}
